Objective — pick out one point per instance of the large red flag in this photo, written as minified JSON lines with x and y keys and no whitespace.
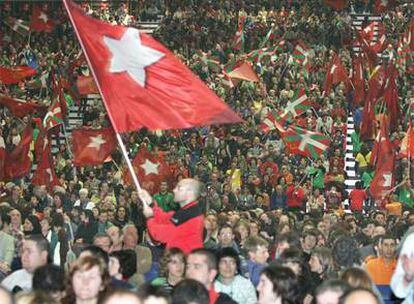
{"x":45,"y":173}
{"x":358,"y":80}
{"x":21,"y":108}
{"x":40,"y":21}
{"x":335,"y":73}
{"x":92,"y":147}
{"x":18,"y":162}
{"x":12,"y":75}
{"x":142,"y":82}
{"x":151,"y":170}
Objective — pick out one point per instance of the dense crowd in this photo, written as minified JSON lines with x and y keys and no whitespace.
{"x":240,"y":218}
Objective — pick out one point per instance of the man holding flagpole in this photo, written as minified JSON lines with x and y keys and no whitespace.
{"x":183,"y":228}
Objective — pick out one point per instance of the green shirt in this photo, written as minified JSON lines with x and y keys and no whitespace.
{"x":166,"y":201}
{"x":406,"y":197}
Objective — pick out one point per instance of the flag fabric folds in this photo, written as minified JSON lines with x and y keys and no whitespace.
{"x":92,"y":147}
{"x":12,"y":75}
{"x":143,"y":83}
{"x":20,"y":108}
{"x":18,"y":162}
{"x":335,"y":73}
{"x":45,"y":173}
{"x":358,"y":80}
{"x":86,"y":85}
{"x":151,"y":170}
{"x":384,"y":178}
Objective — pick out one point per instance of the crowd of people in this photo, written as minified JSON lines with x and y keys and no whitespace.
{"x":241,"y":219}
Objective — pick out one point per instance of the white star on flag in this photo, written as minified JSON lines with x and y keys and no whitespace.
{"x":384,"y":3}
{"x":129,"y":55}
{"x":43,"y":17}
{"x":96,"y":142}
{"x":150,"y":167}
{"x":387,"y":179}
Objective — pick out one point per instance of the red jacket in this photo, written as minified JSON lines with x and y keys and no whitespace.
{"x":182,"y":229}
{"x":295,"y":196}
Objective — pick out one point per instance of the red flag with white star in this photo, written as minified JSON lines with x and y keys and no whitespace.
{"x":40,"y":21}
{"x":142,"y":82}
{"x":92,"y":147}
{"x":151,"y":170}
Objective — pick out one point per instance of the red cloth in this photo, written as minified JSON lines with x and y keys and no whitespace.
{"x":357,"y":197}
{"x":12,"y":75}
{"x":142,"y":83}
{"x":40,"y":22}
{"x":92,"y":147}
{"x":213,"y":295}
{"x":295,"y":196}
{"x":187,"y":236}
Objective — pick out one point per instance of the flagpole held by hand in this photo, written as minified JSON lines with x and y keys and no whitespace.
{"x":118,"y":136}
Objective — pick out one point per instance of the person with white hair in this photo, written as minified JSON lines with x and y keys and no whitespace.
{"x":84,"y":201}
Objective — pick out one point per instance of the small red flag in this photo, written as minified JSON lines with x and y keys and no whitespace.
{"x":407,"y":144}
{"x":45,"y":173}
{"x":92,"y":147}
{"x":142,"y":82}
{"x":86,"y":85}
{"x":358,"y":80}
{"x":18,"y":162}
{"x":337,"y":4}
{"x":384,"y":174}
{"x":40,"y":21}
{"x":13,"y":75}
{"x":21,"y":108}
{"x":244,"y":71}
{"x":151,"y":170}
{"x":335,"y":73}
{"x":381,"y":6}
